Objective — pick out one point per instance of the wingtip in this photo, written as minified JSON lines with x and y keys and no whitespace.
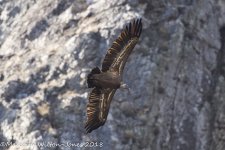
{"x":90,"y":126}
{"x":140,"y":19}
{"x":87,"y":128}
{"x":135,"y":27}
{"x":139,"y":27}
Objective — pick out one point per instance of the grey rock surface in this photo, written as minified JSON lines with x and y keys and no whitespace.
{"x":176,"y":74}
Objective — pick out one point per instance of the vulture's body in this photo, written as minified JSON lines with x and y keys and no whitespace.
{"x":107,"y":80}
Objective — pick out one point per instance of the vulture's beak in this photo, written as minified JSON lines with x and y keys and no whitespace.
{"x":124,"y":86}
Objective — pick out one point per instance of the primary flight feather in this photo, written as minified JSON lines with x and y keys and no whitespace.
{"x":106,"y":81}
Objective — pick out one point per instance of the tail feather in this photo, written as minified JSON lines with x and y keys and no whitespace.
{"x":90,"y":81}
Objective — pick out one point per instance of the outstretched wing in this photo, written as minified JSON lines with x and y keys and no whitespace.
{"x":121,"y":48}
{"x":98,"y":108}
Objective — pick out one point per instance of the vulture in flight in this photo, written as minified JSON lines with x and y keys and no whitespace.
{"x":106,"y":81}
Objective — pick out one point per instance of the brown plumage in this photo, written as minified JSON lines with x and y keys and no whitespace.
{"x":106,"y":81}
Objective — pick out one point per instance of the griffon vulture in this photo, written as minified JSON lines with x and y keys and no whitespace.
{"x":107,"y":80}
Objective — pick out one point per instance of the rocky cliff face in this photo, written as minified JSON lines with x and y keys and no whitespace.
{"x":176,"y":74}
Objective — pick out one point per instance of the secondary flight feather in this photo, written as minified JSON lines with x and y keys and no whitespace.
{"x":106,"y":81}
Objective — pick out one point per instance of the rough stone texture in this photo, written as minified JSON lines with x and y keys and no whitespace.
{"x":176,"y":73}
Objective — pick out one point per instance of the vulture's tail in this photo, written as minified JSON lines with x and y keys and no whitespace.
{"x":90,"y":80}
